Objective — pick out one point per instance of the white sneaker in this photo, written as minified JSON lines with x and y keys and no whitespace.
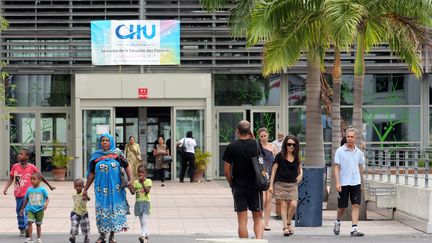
{"x":336,"y":228}
{"x":39,"y":240}
{"x":28,"y":240}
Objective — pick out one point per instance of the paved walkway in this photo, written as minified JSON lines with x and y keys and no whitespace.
{"x":186,"y":209}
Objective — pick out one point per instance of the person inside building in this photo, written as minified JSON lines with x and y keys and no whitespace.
{"x":133,"y":154}
{"x":159,"y":151}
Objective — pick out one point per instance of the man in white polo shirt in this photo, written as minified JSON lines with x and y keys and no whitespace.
{"x":348,"y":162}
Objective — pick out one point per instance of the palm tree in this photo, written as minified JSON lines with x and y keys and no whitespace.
{"x":402,"y":24}
{"x":287,"y":28}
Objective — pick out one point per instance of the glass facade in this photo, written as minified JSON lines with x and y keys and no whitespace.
{"x":391,"y":108}
{"x":38,"y":90}
{"x":242,"y":89}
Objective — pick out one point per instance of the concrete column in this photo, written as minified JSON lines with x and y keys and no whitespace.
{"x":208,"y":134}
{"x":142,"y":128}
{"x":424,"y":110}
{"x":76,"y":131}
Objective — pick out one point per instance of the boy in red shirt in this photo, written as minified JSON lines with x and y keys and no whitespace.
{"x":20,"y":174}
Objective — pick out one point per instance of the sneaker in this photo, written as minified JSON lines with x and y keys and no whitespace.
{"x":28,"y":240}
{"x":336,"y":228}
{"x":356,"y":233}
{"x":39,"y":240}
{"x":23,"y":232}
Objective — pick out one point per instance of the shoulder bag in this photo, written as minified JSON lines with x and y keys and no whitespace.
{"x":182,"y":149}
{"x":262,"y":180}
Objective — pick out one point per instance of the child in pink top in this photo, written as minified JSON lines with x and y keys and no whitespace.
{"x":20,"y":174}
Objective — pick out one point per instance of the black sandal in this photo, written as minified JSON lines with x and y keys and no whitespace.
{"x":101,"y":238}
{"x":286,"y":231}
{"x":111,"y":238}
{"x":290,"y":229}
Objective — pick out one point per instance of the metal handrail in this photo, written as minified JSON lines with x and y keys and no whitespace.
{"x":390,"y":163}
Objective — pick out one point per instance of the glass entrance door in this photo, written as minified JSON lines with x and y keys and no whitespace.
{"x":188,"y":120}
{"x":227,"y":121}
{"x":95,"y":122}
{"x":54,"y":134}
{"x":267,"y":119}
{"x":39,"y":132}
{"x":226,"y":130}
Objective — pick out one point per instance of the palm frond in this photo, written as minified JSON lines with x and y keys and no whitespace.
{"x":405,"y":44}
{"x":343,"y":17}
{"x":213,"y":5}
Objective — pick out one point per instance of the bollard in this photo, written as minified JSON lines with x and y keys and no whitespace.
{"x":309,"y":206}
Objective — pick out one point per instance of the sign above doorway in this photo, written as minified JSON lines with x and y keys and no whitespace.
{"x":143,"y":93}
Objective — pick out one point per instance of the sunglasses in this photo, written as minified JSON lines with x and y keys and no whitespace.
{"x":291,"y":144}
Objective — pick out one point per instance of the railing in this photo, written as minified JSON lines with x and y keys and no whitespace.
{"x":409,"y":166}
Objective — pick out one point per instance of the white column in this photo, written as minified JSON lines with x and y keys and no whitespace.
{"x":76,"y":130}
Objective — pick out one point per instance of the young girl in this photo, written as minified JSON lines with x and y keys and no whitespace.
{"x":142,"y":188}
{"x":286,"y":175}
{"x":36,"y":200}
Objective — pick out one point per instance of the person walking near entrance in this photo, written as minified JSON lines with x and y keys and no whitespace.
{"x":110,"y":197}
{"x":240,"y":174}
{"x":286,"y":175}
{"x":188,"y":156}
{"x":278,"y":141}
{"x":348,"y":169}
{"x":268,"y":151}
{"x":159,"y":151}
{"x":20,"y":174}
{"x":133,"y":154}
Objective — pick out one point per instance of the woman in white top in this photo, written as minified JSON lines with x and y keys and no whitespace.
{"x":187,"y":156}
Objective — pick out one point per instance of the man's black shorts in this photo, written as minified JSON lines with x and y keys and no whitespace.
{"x":353,"y":192}
{"x":245,"y":199}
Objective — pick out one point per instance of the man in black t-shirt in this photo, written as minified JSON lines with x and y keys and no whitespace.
{"x":240,"y":175}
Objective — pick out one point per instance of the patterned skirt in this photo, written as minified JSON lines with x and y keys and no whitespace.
{"x":285,"y":191}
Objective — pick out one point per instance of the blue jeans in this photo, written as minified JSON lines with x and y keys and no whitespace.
{"x":22,"y":220}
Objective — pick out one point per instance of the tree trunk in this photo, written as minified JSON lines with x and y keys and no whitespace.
{"x":359,"y":73}
{"x":314,"y":152}
{"x":336,"y":120}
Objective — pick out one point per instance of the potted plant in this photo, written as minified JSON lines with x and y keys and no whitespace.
{"x":60,"y":162}
{"x":201,"y":161}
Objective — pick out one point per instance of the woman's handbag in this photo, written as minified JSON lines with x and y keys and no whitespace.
{"x":123,"y":178}
{"x":262,"y":180}
{"x":167,"y":159}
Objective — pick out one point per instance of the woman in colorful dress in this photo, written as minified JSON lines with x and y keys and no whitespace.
{"x":133,"y":154}
{"x":268,"y":151}
{"x":110,"y":204}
